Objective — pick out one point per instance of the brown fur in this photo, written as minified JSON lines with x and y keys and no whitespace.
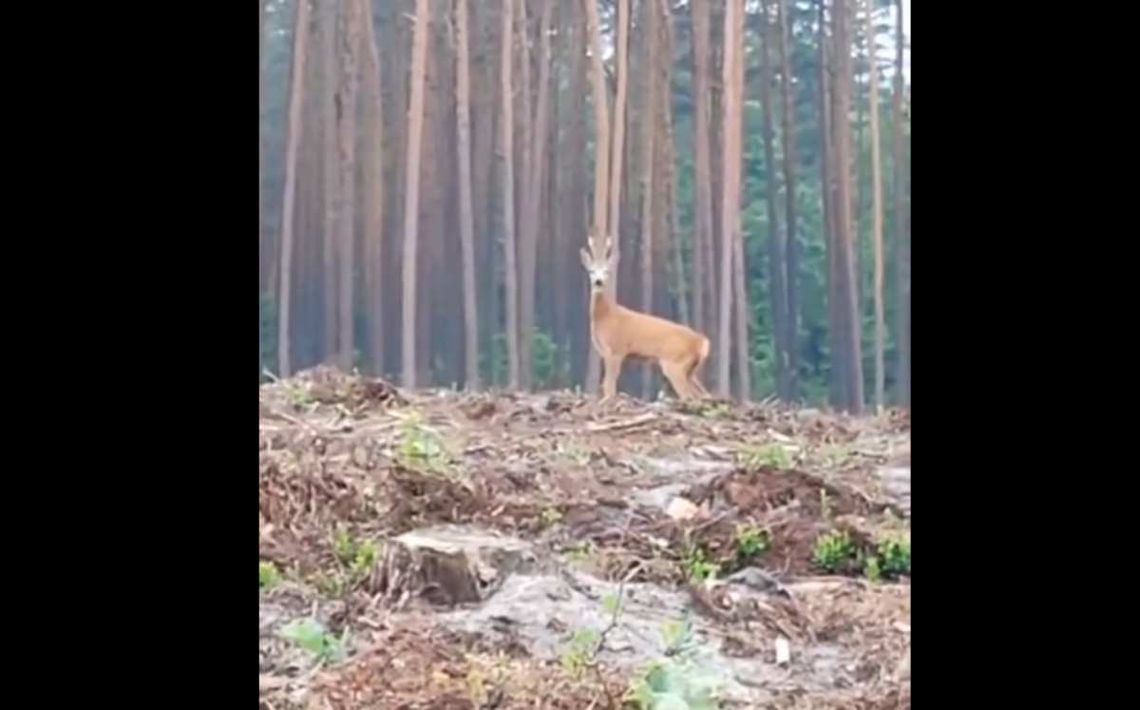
{"x":619,"y":333}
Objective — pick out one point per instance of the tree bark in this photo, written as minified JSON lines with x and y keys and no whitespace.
{"x":264,"y":261}
{"x":506,"y":138}
{"x":601,"y":154}
{"x":902,"y":227}
{"x":702,"y":190}
{"x":288,"y":201}
{"x":791,"y":278}
{"x":837,"y":380}
{"x":412,"y":191}
{"x":876,"y":208}
{"x":648,"y":113}
{"x":531,"y":208}
{"x":347,"y":93}
{"x":682,"y":285}
{"x":373,"y":191}
{"x":617,"y":146}
{"x":326,"y":31}
{"x":743,"y":319}
{"x":466,"y":213}
{"x":777,"y":288}
{"x":730,"y":203}
{"x":841,"y":97}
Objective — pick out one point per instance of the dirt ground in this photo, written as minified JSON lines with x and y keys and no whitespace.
{"x":537,"y":550}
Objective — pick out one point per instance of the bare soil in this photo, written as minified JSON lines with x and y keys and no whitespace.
{"x":502,"y":522}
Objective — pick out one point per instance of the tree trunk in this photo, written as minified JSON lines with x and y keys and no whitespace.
{"x":743,"y":360}
{"x":373,"y":190}
{"x":876,"y":209}
{"x":347,"y":90}
{"x":601,"y":154}
{"x":621,"y":56}
{"x":572,"y":189}
{"x":902,"y":235}
{"x":682,"y":285}
{"x":506,"y":138}
{"x":534,"y":182}
{"x":466,"y":213}
{"x":837,"y":380}
{"x":791,"y":277}
{"x":841,"y":97}
{"x":326,"y":31}
{"x":482,"y":189}
{"x":776,"y":246}
{"x":702,"y":190}
{"x":730,"y":203}
{"x":264,"y":261}
{"x":288,"y":201}
{"x":648,"y":113}
{"x":412,"y":191}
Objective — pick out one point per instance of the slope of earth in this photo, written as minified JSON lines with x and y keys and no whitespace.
{"x":437,"y":549}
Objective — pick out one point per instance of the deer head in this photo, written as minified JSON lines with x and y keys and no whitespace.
{"x":599,"y":266}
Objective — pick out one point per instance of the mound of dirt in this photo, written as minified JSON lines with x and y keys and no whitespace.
{"x":456,"y":548}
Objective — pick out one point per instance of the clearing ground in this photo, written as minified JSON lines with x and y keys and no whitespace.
{"x":439,"y":549}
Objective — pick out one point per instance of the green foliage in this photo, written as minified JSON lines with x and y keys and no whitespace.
{"x":772,"y":455}
{"x":579,"y":653}
{"x":268,"y":574}
{"x":894,"y":550}
{"x":550,"y":516}
{"x":356,"y":556}
{"x":834,"y":551}
{"x":668,"y":685}
{"x":550,"y":366}
{"x":697,"y":567}
{"x":581,"y":552}
{"x":421,"y":447}
{"x":311,"y":635}
{"x":750,"y":541}
{"x":675,"y":680}
{"x":871,"y":569}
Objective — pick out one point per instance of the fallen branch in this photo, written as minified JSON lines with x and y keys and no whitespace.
{"x":626,"y":424}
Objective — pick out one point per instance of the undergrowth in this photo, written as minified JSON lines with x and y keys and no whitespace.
{"x":311,"y":635}
{"x":674,"y":681}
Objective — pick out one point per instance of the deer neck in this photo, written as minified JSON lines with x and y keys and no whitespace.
{"x":601,"y":305}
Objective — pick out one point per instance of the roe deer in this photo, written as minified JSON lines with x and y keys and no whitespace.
{"x":618,"y":332}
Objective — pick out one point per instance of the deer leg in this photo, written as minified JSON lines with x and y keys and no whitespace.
{"x":609,"y":380}
{"x":676,"y":376}
{"x":691,"y":376}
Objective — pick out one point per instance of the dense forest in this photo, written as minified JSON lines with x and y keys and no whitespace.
{"x":429,"y":170}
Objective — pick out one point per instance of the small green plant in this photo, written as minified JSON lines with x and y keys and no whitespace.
{"x":578,"y":655}
{"x":697,"y":567}
{"x":311,"y":635}
{"x":268,"y":574}
{"x":421,"y":447}
{"x":581,"y":552}
{"x":299,"y":396}
{"x":356,"y":559}
{"x":871,"y":568}
{"x":895,"y":552}
{"x":550,"y":516}
{"x":767,"y":456}
{"x":834,"y":551}
{"x":750,"y":541}
{"x":667,"y":685}
{"x":674,"y":681}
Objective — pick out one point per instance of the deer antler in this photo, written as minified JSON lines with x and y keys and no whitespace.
{"x":606,"y":250}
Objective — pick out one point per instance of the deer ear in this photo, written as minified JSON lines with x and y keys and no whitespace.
{"x":585,"y":259}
